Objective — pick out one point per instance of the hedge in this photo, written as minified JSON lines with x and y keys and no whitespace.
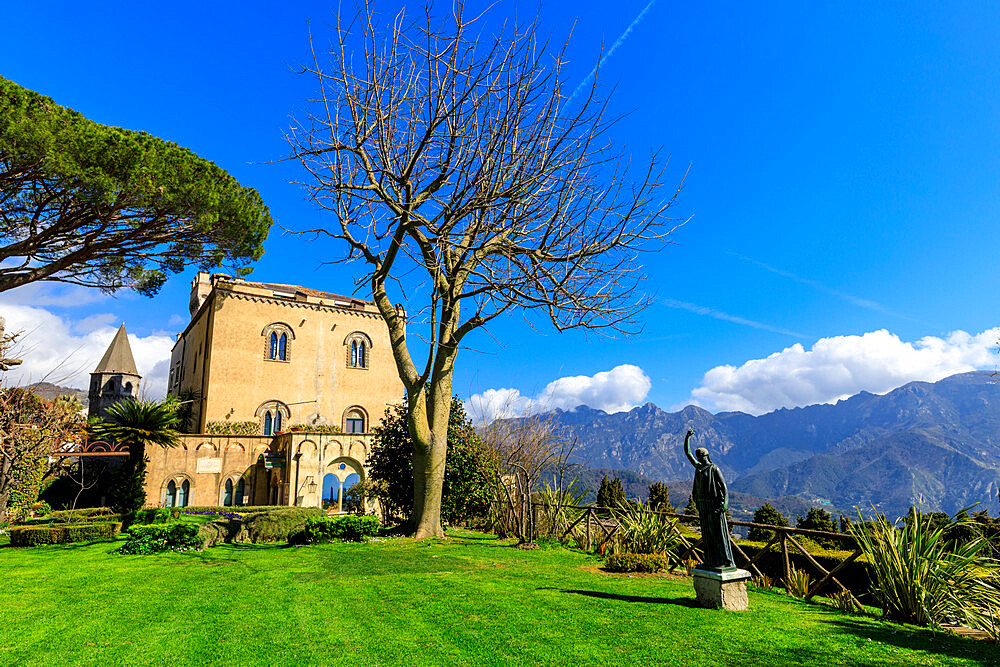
{"x":629,"y":562}
{"x":30,"y":536}
{"x":144,"y":540}
{"x":855,"y":576}
{"x":83,"y":511}
{"x":350,"y":527}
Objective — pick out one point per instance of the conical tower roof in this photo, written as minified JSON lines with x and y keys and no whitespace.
{"x":118,"y":358}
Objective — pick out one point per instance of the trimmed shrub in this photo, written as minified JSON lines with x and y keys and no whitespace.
{"x":629,"y":562}
{"x":157,"y":515}
{"x":176,"y":512}
{"x":83,"y":512}
{"x":278,"y":524}
{"x":855,"y":575}
{"x":145,"y":540}
{"x":348,"y":527}
{"x":31,"y":536}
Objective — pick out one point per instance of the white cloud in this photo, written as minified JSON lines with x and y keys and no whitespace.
{"x":63,"y":351}
{"x":841,"y":366}
{"x":617,"y":390}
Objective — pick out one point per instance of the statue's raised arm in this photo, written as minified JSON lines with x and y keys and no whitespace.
{"x":687,"y":448}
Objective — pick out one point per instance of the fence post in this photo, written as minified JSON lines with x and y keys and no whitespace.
{"x":534,"y":521}
{"x":786,"y":567}
{"x":589,"y":513}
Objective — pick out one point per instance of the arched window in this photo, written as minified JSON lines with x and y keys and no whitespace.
{"x":184,"y":495}
{"x":278,"y":337}
{"x":267,"y":422}
{"x":170,"y":499}
{"x":354,"y":421}
{"x":227,"y":493}
{"x":128,"y":387}
{"x":277,"y":420}
{"x":240,"y":491}
{"x":359,"y":346}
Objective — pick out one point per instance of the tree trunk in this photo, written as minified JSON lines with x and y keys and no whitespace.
{"x":428,"y":485}
{"x":6,"y":470}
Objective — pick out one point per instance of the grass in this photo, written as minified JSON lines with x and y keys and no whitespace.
{"x":467,"y":600}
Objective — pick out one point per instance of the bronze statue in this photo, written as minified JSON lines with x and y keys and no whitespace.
{"x":711,"y":497}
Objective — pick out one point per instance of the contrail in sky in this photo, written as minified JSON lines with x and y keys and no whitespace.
{"x":719,"y":315}
{"x":850,"y":298}
{"x":610,"y":51}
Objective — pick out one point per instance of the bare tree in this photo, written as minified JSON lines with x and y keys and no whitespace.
{"x":522,"y":450}
{"x":30,"y":428}
{"x":446,"y":148}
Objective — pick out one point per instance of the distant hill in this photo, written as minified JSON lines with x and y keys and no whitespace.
{"x":48,"y":391}
{"x":936,"y":444}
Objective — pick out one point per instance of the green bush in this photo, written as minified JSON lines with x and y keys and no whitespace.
{"x":156,"y":515}
{"x":176,"y":512}
{"x":30,"y":536}
{"x":83,"y":512}
{"x":145,"y":540}
{"x":629,"y":562}
{"x":348,"y":527}
{"x":278,"y":524}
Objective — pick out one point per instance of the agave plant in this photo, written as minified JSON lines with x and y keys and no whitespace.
{"x":921,"y":577}
{"x":643,"y":531}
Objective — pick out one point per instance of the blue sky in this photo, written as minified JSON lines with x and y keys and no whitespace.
{"x":843,"y":189}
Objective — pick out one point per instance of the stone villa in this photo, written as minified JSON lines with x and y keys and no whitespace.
{"x":284,"y":382}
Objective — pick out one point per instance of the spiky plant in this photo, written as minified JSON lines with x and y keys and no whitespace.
{"x":559,"y":504}
{"x":644,"y":531}
{"x":919,"y":576}
{"x":797,"y":583}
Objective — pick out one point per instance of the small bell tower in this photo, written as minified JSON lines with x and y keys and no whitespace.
{"x":115,"y":377}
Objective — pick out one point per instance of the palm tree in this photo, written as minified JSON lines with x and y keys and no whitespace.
{"x":136,"y":424}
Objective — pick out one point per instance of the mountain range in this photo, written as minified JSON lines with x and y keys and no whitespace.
{"x":936,"y":445}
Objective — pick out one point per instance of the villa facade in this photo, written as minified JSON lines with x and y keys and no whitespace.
{"x":284,"y":383}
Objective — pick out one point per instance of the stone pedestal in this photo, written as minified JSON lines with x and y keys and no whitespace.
{"x":722,"y":589}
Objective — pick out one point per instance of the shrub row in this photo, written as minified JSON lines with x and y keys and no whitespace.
{"x":144,"y":540}
{"x":83,"y":511}
{"x":349,"y":527}
{"x":855,"y":576}
{"x":629,"y":562}
{"x":30,"y":536}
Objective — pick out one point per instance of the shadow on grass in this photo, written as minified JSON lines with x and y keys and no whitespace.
{"x":683,"y":602}
{"x":918,"y":639}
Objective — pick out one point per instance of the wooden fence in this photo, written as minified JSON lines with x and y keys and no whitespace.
{"x":599,"y":527}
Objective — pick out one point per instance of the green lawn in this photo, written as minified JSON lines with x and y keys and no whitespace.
{"x":467,"y":600}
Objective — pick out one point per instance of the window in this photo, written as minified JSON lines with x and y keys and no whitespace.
{"x":272,"y":422}
{"x":359,"y":347}
{"x":227,"y":493}
{"x":278,"y":338}
{"x":354,"y":421}
{"x":170,"y":499}
{"x":184,"y":495}
{"x":240,"y":491}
